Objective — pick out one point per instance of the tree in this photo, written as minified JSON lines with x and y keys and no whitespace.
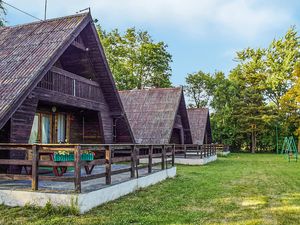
{"x":197,"y":89}
{"x":136,"y":60}
{"x":2,"y":13}
{"x":280,"y":59}
{"x":290,"y":103}
{"x":259,"y":94}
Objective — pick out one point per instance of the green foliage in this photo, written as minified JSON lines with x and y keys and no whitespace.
{"x":2,"y":13}
{"x":135,"y":60}
{"x":259,"y":94}
{"x":197,"y":88}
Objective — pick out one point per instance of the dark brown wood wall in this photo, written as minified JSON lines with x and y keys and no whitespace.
{"x":122,"y":131}
{"x":176,"y":136}
{"x":21,"y":121}
{"x":5,"y":133}
{"x":20,"y":128}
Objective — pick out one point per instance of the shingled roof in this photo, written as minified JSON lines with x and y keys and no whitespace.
{"x":28,"y":51}
{"x":200,"y":124}
{"x":152,"y":112}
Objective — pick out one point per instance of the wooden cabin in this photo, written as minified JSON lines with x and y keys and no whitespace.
{"x":56,"y":85}
{"x":157,"y":116}
{"x":200,"y":125}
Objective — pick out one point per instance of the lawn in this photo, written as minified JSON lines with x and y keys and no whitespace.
{"x":239,"y":189}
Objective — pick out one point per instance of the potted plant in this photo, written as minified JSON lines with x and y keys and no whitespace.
{"x":67,"y":156}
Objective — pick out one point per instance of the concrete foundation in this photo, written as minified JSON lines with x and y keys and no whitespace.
{"x":190,"y":160}
{"x":84,"y":201}
{"x":223,"y":153}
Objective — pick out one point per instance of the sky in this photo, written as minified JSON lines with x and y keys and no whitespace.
{"x":200,"y":34}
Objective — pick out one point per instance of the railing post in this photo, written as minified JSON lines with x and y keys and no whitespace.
{"x":35,"y":168}
{"x":163,"y":157}
{"x":77,"y":169}
{"x":150,"y":159}
{"x":132,"y":161}
{"x":184,"y":149}
{"x":108,"y":164}
{"x":173,"y":155}
{"x":201,"y":151}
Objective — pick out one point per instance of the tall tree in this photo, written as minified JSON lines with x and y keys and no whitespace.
{"x":259,"y":94}
{"x":136,"y":60}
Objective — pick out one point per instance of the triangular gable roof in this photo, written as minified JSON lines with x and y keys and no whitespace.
{"x":151,"y":113}
{"x":199,"y":124}
{"x":28,"y":51}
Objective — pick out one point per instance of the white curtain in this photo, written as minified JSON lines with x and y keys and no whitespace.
{"x":61,"y":128}
{"x":46,"y":129}
{"x":34,"y":130}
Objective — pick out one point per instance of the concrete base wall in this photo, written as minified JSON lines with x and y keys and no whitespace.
{"x":223,"y":153}
{"x":186,"y":161}
{"x":86,"y":201}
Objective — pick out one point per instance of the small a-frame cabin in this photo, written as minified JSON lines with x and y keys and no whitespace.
{"x":200,"y":125}
{"x":157,"y":115}
{"x":56,"y":86}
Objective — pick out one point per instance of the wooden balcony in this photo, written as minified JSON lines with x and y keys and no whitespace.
{"x":62,"y":81}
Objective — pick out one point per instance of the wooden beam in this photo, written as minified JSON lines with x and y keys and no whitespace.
{"x":80,"y":46}
{"x":77,"y":181}
{"x":108,"y":165}
{"x":35,"y":168}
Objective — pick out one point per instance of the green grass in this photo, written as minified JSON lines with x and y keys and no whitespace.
{"x":238,"y":189}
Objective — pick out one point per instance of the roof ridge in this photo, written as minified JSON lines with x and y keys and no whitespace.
{"x":203,"y":108}
{"x":48,"y":20}
{"x":150,"y":89}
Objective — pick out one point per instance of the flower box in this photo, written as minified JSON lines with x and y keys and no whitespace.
{"x":70,"y":157}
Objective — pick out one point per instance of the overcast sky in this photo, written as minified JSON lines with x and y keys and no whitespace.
{"x":201,"y":34}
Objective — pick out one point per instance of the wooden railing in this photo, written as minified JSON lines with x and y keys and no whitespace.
{"x":222,"y":148}
{"x":104,"y":156}
{"x":199,"y":151}
{"x":71,"y":84}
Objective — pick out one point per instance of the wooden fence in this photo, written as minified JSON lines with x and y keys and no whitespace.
{"x":199,"y":151}
{"x":104,"y":156}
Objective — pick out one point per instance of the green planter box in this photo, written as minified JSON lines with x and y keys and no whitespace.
{"x":70,"y":157}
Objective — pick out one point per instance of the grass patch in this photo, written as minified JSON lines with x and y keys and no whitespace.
{"x":238,"y":189}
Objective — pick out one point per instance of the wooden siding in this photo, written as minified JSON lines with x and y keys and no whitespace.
{"x":20,"y":128}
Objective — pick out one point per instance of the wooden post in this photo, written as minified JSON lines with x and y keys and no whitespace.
{"x":163,"y":157}
{"x":108,"y":165}
{"x":77,"y":168}
{"x":173,"y":156}
{"x":35,"y":168}
{"x":184,"y":148}
{"x":137,"y":160}
{"x":150,"y":159}
{"x":132,"y":161}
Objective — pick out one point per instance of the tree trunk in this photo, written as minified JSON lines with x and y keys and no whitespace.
{"x":253,"y":141}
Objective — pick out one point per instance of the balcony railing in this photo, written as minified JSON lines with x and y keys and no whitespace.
{"x":71,"y":84}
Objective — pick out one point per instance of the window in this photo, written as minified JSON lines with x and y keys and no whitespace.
{"x":42,"y":128}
